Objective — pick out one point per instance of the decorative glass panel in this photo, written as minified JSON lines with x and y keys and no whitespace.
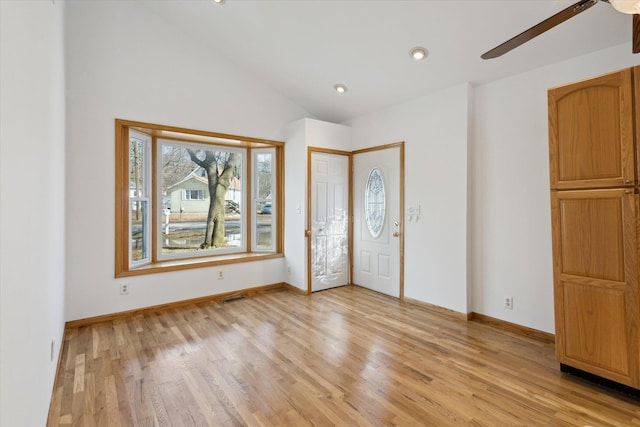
{"x":374,"y":201}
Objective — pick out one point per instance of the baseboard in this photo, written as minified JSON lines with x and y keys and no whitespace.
{"x":295,"y":289}
{"x":436,"y":309}
{"x":513,"y":327}
{"x":217,"y":297}
{"x":498,"y":323}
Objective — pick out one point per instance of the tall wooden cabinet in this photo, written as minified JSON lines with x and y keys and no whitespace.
{"x":595,"y":208}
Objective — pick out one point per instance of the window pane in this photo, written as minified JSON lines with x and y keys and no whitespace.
{"x":264,"y":225}
{"x":139,"y":221}
{"x":265,"y":175}
{"x":202,"y":197}
{"x":139,"y":230}
{"x":263,"y":200}
{"x":137,"y":154}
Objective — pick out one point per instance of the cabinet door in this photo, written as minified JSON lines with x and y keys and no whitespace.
{"x":595,"y":282}
{"x":591,"y":133}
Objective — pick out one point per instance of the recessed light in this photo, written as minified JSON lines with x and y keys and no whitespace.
{"x":626,"y":6}
{"x":340,"y":88}
{"x":418,"y":53}
{"x":219,"y":1}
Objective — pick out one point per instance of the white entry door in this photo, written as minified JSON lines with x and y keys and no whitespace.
{"x":377,"y":220}
{"x":329,"y":220}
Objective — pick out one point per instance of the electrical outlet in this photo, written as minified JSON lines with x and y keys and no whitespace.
{"x":220,"y":275}
{"x":53,"y":348}
{"x":508,"y":302}
{"x":124,"y":289}
{"x":288,"y":269}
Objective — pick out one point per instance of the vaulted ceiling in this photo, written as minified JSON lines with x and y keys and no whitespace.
{"x":302,"y":48}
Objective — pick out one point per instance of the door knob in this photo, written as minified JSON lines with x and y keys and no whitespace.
{"x":396,"y":234}
{"x":307,"y":233}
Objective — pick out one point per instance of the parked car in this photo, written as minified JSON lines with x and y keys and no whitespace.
{"x":266,"y":209}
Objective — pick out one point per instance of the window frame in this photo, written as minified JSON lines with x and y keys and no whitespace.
{"x":142,"y":198}
{"x":155,"y":132}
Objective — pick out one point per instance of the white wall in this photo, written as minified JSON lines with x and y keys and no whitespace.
{"x":328,"y":135}
{"x":32,"y":209}
{"x":300,"y":135}
{"x":295,"y":211}
{"x":125,"y":62}
{"x":434,"y":129}
{"x":510,"y":232}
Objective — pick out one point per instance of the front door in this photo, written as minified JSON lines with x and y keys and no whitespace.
{"x":329,"y":220}
{"x":377,"y":224}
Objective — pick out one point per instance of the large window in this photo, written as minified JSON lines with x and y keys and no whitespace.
{"x":188,"y":198}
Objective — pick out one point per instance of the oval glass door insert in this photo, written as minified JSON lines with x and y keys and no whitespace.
{"x":374,"y":201}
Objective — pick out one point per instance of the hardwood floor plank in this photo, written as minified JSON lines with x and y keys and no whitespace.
{"x":113,"y":411}
{"x":345,"y":356}
{"x":78,"y":375}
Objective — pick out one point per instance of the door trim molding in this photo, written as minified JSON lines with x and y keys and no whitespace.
{"x":383,"y":147}
{"x":311,"y":150}
{"x":350,"y":154}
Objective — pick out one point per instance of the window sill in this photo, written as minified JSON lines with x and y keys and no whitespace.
{"x":187,"y":264}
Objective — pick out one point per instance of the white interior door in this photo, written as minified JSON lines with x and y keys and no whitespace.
{"x":376,"y":223}
{"x":329,"y":220}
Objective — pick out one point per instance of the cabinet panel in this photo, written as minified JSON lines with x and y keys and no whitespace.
{"x":591,"y":133}
{"x":587,"y":220}
{"x":595,"y":281}
{"x":596,"y":318}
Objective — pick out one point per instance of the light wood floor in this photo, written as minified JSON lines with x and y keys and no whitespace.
{"x":340,"y":357}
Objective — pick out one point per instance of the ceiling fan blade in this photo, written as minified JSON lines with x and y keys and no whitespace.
{"x":636,"y":34}
{"x":540,"y":28}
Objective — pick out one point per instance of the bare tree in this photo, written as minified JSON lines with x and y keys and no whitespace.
{"x":176,"y":164}
{"x":221,"y":168}
{"x":136,"y":150}
{"x":265,"y":173}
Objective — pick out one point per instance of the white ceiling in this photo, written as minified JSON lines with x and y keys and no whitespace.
{"x":302,"y":48}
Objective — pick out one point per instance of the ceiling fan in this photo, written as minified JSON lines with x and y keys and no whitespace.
{"x":624,"y":6}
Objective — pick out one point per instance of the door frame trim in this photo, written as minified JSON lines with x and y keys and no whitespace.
{"x":350,"y":154}
{"x":307,"y":232}
{"x":400,"y":145}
